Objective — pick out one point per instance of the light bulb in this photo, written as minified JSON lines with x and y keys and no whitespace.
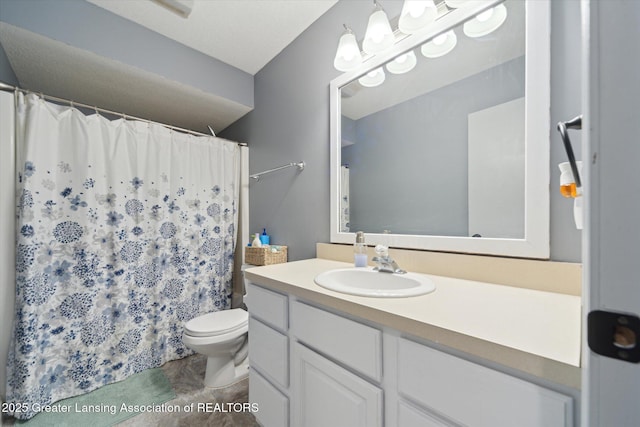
{"x":439,"y":40}
{"x":348,"y":52}
{"x":486,"y":22}
{"x":416,"y":8}
{"x":416,"y":15}
{"x":379,"y":35}
{"x":348,"y":55}
{"x":403,"y":63}
{"x":372,"y":78}
{"x":485,"y":16}
{"x":440,"y":45}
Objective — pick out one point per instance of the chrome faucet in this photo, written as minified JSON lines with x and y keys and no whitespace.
{"x":384,"y":263}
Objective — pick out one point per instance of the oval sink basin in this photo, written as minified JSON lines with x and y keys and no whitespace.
{"x":369,"y":283}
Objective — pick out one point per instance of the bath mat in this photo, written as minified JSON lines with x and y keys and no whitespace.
{"x":145,"y":392}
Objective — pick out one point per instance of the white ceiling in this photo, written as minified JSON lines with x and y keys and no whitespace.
{"x":246,"y":34}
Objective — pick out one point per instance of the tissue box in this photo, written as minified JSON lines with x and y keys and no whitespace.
{"x":274,"y":254}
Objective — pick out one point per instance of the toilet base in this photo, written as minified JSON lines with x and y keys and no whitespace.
{"x":223,"y":372}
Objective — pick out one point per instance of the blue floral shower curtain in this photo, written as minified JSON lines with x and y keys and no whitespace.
{"x":126,"y":230}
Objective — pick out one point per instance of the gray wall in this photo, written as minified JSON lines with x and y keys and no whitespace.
{"x":348,"y":127}
{"x":290,"y":122}
{"x":408,"y":166}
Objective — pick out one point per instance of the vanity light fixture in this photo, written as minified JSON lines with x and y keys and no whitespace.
{"x":486,"y":22}
{"x":379,"y":35}
{"x":417,"y":14}
{"x":348,"y":56}
{"x":403,"y":63}
{"x":372,"y":78}
{"x":440,"y":45}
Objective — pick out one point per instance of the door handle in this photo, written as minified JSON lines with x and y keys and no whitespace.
{"x":614,"y":335}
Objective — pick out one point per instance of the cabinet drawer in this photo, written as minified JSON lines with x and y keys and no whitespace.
{"x":351,"y":343}
{"x":273,"y":406}
{"x":471,"y":394}
{"x":268,"y":306}
{"x":269,"y":352}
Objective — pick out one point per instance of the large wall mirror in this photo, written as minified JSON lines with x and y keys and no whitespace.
{"x":453,"y":154}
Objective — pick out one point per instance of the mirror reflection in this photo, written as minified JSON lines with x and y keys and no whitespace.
{"x":433,"y":142}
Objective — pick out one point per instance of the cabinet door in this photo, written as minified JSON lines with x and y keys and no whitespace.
{"x":325,"y":394}
{"x":273,"y":406}
{"x":410,"y":416}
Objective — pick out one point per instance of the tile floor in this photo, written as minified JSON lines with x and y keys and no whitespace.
{"x":186,"y":376}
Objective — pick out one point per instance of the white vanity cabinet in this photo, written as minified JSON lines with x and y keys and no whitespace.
{"x":269,"y":355}
{"x":323,"y":385}
{"x":312,"y":367}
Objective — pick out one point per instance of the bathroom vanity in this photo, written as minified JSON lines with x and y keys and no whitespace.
{"x":470,"y":353}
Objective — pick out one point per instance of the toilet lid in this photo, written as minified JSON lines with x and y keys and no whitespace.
{"x":216,"y":323}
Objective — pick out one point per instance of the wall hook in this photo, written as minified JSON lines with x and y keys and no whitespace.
{"x":575,"y":123}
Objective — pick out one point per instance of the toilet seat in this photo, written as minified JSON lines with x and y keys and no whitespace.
{"x":217,"y":323}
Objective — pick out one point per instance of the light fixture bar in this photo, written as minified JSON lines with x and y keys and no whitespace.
{"x":398,"y":35}
{"x":481,"y":17}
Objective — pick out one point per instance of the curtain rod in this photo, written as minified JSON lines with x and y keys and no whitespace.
{"x":10,"y":88}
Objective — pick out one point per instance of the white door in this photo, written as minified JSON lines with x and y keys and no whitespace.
{"x":611,"y":254}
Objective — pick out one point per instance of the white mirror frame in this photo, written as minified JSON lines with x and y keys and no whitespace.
{"x":535,"y":243}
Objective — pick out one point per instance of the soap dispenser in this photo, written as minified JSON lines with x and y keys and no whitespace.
{"x":264,"y":237}
{"x":256,"y":241}
{"x":360,"y":250}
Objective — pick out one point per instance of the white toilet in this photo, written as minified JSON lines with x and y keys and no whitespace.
{"x":222,"y":337}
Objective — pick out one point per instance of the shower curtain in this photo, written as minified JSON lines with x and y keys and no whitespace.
{"x":125,"y":231}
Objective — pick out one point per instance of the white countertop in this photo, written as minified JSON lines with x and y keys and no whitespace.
{"x":534,"y":331}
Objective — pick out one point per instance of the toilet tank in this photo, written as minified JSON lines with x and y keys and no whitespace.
{"x":239,"y":288}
